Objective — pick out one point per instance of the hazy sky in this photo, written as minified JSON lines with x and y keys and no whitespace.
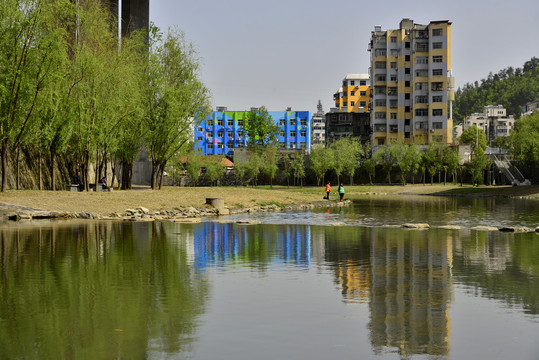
{"x":281,"y":53}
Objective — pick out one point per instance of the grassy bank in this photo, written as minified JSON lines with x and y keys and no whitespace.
{"x":104,"y":203}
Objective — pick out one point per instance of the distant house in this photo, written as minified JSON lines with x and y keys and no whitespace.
{"x":529,"y":108}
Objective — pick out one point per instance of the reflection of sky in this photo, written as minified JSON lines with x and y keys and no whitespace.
{"x":218,"y":244}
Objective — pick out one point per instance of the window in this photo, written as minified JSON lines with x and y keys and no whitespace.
{"x":292,"y":145}
{"x":422,"y":73}
{"x":380,"y":102}
{"x":437,"y":59}
{"x":392,"y":91}
{"x":421,"y":86}
{"x":437,"y":125}
{"x":304,"y":122}
{"x":406,"y":109}
{"x":437,"y":86}
{"x":292,"y":133}
{"x":283,"y":133}
{"x":407,"y":45}
{"x":393,"y":78}
{"x":380,"y":65}
{"x":393,"y":39}
{"x":380,"y":52}
{"x":393,"y":65}
{"x":230,"y":122}
{"x":210,"y":145}
{"x":200,"y":129}
{"x":363,"y":82}
{"x":421,"y":99}
{"x":282,"y":122}
{"x":220,"y":122}
{"x":362,"y":93}
{"x":230,"y":144}
{"x":422,"y":46}
{"x":437,"y":112}
{"x":293,"y":122}
{"x":362,"y":103}
{"x":406,"y":96}
{"x":380,"y":78}
{"x":422,"y":60}
{"x":436,"y":45}
{"x":380,"y":128}
{"x":345,"y":103}
{"x":240,"y":133}
{"x":381,"y":141}
{"x":352,"y":82}
{"x":352,"y":93}
{"x":199,"y":138}
{"x":437,"y":72}
{"x":303,"y":133}
{"x":393,"y":128}
{"x":393,"y":103}
{"x":231,"y":134}
{"x":421,"y":112}
{"x":393,"y":115}
{"x":406,"y":57}
{"x":394,"y":52}
{"x":407,"y":83}
{"x":407,"y":70}
{"x":220,"y":145}
{"x":436,"y":32}
{"x":240,"y":123}
{"x":352,"y":103}
{"x":220,"y":133}
{"x":437,"y":99}
{"x":380,"y":115}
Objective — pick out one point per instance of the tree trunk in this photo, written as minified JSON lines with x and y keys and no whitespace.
{"x":96,"y":170}
{"x":445,"y":176}
{"x":17,"y":168}
{"x":39,"y":171}
{"x":126,"y":170}
{"x":161,"y":172}
{"x":52,"y":150}
{"x":153,"y":180}
{"x":3,"y":154}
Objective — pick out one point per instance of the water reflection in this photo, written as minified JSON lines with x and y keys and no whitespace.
{"x":147,"y":290}
{"x":96,"y":291}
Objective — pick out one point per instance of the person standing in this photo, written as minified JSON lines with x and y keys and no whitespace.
{"x":328,"y":190}
{"x":341,"y":192}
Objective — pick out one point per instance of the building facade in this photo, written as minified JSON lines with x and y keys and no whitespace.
{"x":411,"y":83}
{"x":347,"y":124}
{"x":318,"y":126}
{"x":493,"y":121}
{"x":223,"y":131}
{"x":354,"y":95}
{"x":529,"y":108}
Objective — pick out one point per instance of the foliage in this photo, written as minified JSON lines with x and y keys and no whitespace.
{"x":474,"y":137}
{"x":319,"y":162}
{"x":214,"y":168}
{"x":524,"y":139}
{"x":260,"y":128}
{"x":510,"y":87}
{"x":479,"y":163}
{"x":269,"y":164}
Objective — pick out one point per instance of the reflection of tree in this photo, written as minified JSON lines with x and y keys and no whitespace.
{"x":96,"y":291}
{"x":500,"y":266}
{"x":410,"y":292}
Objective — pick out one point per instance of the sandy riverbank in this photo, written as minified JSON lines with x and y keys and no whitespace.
{"x":177,"y":198}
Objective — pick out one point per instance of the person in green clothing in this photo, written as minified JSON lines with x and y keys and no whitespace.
{"x":341,"y":191}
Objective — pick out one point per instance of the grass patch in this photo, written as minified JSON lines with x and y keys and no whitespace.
{"x":269,"y":203}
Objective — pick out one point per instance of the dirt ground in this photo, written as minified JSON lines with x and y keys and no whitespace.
{"x":105,"y":203}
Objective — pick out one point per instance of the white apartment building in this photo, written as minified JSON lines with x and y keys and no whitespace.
{"x":493,"y":121}
{"x":318,"y":126}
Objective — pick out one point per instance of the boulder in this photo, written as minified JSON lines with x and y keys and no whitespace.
{"x":143,"y":210}
{"x":515,"y":229}
{"x":485,"y":228}
{"x":415,"y":226}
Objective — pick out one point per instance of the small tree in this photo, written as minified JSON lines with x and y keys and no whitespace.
{"x":318,"y":163}
{"x":214,"y":169}
{"x":260,"y":128}
{"x":269,"y":164}
{"x":194,"y":163}
{"x":474,"y":137}
{"x":297,"y":167}
{"x":479,"y":163}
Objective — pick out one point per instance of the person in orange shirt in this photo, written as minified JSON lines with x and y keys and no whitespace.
{"x":328,"y":190}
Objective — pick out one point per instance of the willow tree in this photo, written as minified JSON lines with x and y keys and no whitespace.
{"x":175,"y":98}
{"x":29,"y":44}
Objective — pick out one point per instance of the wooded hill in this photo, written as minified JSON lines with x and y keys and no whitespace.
{"x":510,"y":87}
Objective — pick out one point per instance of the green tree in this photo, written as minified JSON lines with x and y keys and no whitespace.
{"x":260,"y":128}
{"x":432,"y":160}
{"x":297,"y":168}
{"x":387,"y":157}
{"x":474,"y":137}
{"x":194,"y":164}
{"x":269,"y":166}
{"x":318,"y":163}
{"x":214,"y":169}
{"x":479,"y":163}
{"x":524,"y":139}
{"x":450,"y":162}
{"x":408,"y":157}
{"x":174,"y":97}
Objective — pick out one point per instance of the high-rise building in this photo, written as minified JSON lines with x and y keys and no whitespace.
{"x":412,"y":84}
{"x":354,"y":95}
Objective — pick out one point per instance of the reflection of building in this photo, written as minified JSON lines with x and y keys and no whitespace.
{"x":223,"y":131}
{"x":410,"y":292}
{"x":218,"y":244}
{"x":411,"y":83}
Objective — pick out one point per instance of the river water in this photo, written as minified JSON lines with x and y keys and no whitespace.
{"x":293,"y":287}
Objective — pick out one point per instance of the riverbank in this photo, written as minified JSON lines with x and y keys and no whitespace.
{"x":181,"y":200}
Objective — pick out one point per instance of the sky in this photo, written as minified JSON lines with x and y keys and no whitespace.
{"x":292,"y":53}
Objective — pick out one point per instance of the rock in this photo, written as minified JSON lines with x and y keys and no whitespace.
{"x":223,"y":211}
{"x":416,"y":226}
{"x":186,"y":220}
{"x":130,"y":211}
{"x":335,"y":224}
{"x":450,"y":227}
{"x":143,"y":210}
{"x":485,"y":228}
{"x":247,"y":222}
{"x":224,"y":221}
{"x":516,"y":229}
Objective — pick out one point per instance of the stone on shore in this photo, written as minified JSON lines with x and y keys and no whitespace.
{"x":485,"y":228}
{"x":247,"y":222}
{"x":515,"y":229}
{"x":415,"y":226}
{"x":450,"y":227}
